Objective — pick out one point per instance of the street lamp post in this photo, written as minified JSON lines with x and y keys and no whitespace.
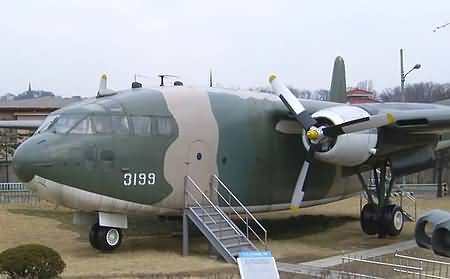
{"x":403,"y":75}
{"x":402,"y":86}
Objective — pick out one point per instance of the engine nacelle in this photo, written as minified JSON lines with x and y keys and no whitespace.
{"x":439,"y":237}
{"x":349,"y":149}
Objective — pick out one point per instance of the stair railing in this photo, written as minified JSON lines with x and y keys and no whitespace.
{"x":232,"y":203}
{"x":189,"y":181}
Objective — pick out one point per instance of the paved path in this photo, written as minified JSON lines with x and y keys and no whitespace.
{"x":320,"y":266}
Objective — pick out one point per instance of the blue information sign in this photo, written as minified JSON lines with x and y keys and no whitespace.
{"x":257,"y":265}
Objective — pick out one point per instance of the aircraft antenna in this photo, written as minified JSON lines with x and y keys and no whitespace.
{"x":210,"y":78}
{"x":163,"y":76}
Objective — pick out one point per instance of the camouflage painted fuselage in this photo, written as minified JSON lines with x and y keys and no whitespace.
{"x":215,"y":131}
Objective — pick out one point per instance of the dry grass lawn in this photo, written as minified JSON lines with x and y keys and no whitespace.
{"x":153,"y":246}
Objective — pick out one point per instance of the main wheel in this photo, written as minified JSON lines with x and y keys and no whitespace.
{"x":107,"y":238}
{"x":93,"y":236}
{"x":393,"y":220}
{"x":369,"y":219}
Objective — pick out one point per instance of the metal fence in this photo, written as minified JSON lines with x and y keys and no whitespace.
{"x":16,"y":193}
{"x":393,"y":266}
{"x":423,"y":190}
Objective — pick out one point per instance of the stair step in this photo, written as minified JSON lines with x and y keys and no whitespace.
{"x":231,"y":239}
{"x":216,"y":222}
{"x":218,"y":225}
{"x":223,"y":229}
{"x":243,"y":243}
{"x":224,"y":233}
{"x":203,"y":213}
{"x":204,"y":209}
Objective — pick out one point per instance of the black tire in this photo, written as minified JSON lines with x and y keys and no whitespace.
{"x":93,"y":236}
{"x":393,"y":220}
{"x":108,"y":238}
{"x":369,"y":219}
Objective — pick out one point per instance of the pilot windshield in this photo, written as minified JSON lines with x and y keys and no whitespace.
{"x":65,"y":122}
{"x":47,"y":123}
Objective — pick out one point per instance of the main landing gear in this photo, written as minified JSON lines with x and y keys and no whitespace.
{"x":105,"y":238}
{"x":379,"y":215}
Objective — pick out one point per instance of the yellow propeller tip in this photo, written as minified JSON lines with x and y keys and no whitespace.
{"x":294,"y":209}
{"x":104,"y":76}
{"x":390,"y":118}
{"x":272,"y":77}
{"x":312,"y":135}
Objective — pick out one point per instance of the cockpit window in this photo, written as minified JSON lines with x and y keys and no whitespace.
{"x":47,"y":123}
{"x":120,"y":124}
{"x":164,"y":126}
{"x":84,"y":127}
{"x":102,"y":124}
{"x":142,"y":125}
{"x":64,"y":123}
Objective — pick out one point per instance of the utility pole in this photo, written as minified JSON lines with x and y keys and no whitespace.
{"x":403,"y":76}
{"x":402,"y":86}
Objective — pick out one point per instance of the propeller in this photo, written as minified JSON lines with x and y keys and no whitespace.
{"x":319,"y":134}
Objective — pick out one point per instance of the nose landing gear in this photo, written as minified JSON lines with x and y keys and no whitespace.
{"x":105,"y":238}
{"x":380,"y":216}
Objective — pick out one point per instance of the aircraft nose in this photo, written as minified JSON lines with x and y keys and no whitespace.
{"x":29,"y":157}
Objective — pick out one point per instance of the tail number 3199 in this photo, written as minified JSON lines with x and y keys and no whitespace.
{"x":139,"y":179}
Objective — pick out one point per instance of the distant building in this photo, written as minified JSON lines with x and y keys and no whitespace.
{"x":360,"y":96}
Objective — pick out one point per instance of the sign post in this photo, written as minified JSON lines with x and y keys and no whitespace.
{"x":257,"y":265}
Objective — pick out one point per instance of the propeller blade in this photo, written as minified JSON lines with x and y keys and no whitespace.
{"x":361,"y":124}
{"x":103,"y":83}
{"x":292,"y":102}
{"x":297,"y":196}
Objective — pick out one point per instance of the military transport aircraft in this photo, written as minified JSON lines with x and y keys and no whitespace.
{"x":128,"y":152}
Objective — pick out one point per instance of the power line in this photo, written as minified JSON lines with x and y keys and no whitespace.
{"x":441,"y":26}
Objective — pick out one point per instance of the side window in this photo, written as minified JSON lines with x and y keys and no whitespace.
{"x":142,"y":125}
{"x":120,"y":125}
{"x":163,"y":126}
{"x":102,"y":124}
{"x":84,"y":127}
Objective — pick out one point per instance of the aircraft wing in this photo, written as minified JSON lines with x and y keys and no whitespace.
{"x":415,"y":118}
{"x":21,"y":124}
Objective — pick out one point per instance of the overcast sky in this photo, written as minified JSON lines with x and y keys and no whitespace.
{"x":64,"y":46}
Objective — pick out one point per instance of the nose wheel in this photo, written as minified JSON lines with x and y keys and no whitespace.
{"x":380,"y":216}
{"x":105,"y":238}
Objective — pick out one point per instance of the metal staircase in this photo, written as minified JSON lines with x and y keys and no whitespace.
{"x":214,"y":223}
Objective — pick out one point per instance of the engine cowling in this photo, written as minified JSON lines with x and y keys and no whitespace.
{"x":439,"y":237}
{"x":349,"y":149}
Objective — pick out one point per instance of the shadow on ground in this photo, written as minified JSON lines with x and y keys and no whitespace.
{"x":154,"y":227}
